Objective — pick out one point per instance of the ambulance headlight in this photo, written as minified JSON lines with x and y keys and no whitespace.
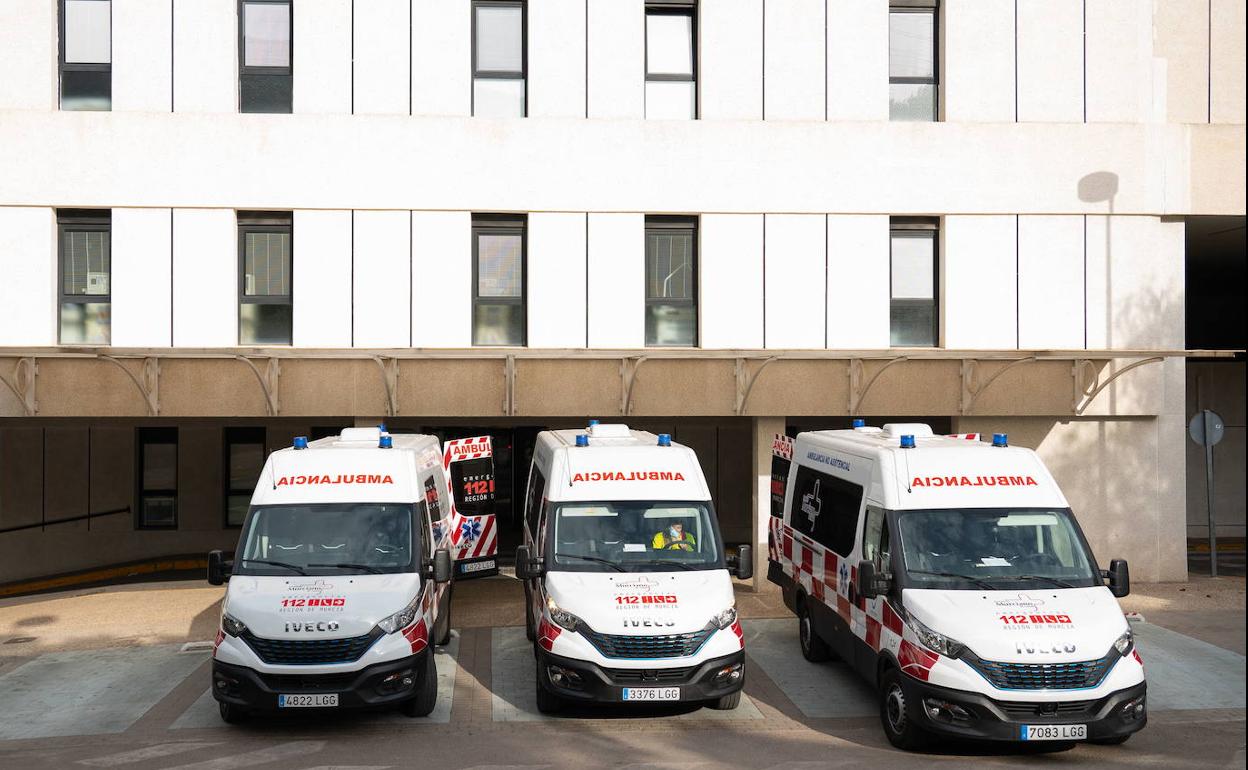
{"x":1124,"y":643}
{"x":561,"y":616}
{"x":725,"y":618}
{"x":401,"y":619}
{"x":232,"y":626}
{"x":950,"y":648}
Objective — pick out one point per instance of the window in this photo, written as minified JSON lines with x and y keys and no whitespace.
{"x":498,"y":280}
{"x":86,"y":51}
{"x":157,"y":482}
{"x":537,"y":493}
{"x":264,"y":55}
{"x":671,"y":282}
{"x":825,"y":509}
{"x":244,"y":459}
{"x":86,"y":270}
{"x":875,"y":546}
{"x":264,"y":262}
{"x":671,"y":61}
{"x":498,"y":58}
{"x":912,"y":61}
{"x":913,"y":255}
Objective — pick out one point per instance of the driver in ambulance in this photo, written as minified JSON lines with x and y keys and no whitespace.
{"x":674,"y":538}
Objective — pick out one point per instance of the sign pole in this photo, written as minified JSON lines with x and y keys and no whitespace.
{"x":1213,"y":528}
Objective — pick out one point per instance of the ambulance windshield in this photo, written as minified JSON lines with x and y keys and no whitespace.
{"x":634,"y":536}
{"x":993,"y":548}
{"x":328,"y":539}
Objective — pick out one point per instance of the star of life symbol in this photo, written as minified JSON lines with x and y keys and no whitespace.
{"x":811,"y":504}
{"x":843,"y":572}
{"x":469,"y":530}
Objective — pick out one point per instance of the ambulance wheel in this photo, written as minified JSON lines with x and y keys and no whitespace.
{"x":899,"y":728}
{"x":231,"y":714}
{"x":1117,"y":740}
{"x":814,"y":649}
{"x":547,"y":701}
{"x":421,"y":704}
{"x":725,"y":702}
{"x":442,"y":626}
{"x":530,"y":632}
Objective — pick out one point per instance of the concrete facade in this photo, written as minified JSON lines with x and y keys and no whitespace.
{"x":1058,"y":178}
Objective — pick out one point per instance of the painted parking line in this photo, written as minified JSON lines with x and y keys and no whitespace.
{"x":819,"y":690}
{"x":513,"y":686}
{"x":88,"y":692}
{"x":147,"y":752}
{"x":1185,"y":673}
{"x":203,"y":714}
{"x":282,"y":751}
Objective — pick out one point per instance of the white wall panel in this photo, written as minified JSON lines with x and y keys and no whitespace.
{"x":557,"y":59}
{"x":28,"y":294}
{"x":730,"y":272}
{"x":1119,"y":64}
{"x":205,"y":278}
{"x":556,"y":280}
{"x":205,"y":58}
{"x":979,"y":60}
{"x":321,"y":276}
{"x":441,"y":57}
{"x":1227,"y":50}
{"x":795,"y":266}
{"x":142,"y":56}
{"x":322,"y":57}
{"x":793,"y":60}
{"x":978,"y":282}
{"x":1181,"y":45}
{"x":858,"y":282}
{"x":28,"y":56}
{"x":1050,"y":282}
{"x":383,"y":279}
{"x":142,"y":286}
{"x":383,"y":57}
{"x":730,"y":66}
{"x":857,"y":60}
{"x":616,"y":45}
{"x":1050,"y":60}
{"x":617,"y":281}
{"x":1133,"y":267}
{"x":442,"y":279}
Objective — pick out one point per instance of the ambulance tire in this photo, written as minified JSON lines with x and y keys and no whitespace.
{"x":426,"y":697}
{"x":231,"y":714}
{"x":547,"y":701}
{"x":442,"y":626}
{"x":725,"y":702}
{"x":899,"y":728}
{"x":814,"y":649}
{"x":530,"y":632}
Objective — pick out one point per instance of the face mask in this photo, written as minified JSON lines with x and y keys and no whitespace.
{"x":674,"y":531}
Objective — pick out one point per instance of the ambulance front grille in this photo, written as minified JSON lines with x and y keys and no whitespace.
{"x":311,"y":652}
{"x":667,"y":646}
{"x":1044,"y":676}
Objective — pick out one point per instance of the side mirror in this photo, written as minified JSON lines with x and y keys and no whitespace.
{"x":1119,"y":577}
{"x":218,"y":568}
{"x":745,"y":562}
{"x":441,"y":566}
{"x":526,"y":567}
{"x":871,"y":584}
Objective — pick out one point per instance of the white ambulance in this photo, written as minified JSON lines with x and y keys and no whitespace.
{"x":953,"y":576}
{"x":339,"y":587}
{"x":628,"y":593}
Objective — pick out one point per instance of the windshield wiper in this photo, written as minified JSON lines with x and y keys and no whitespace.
{"x":276,"y":564}
{"x":1054,"y":581}
{"x":969,"y":578}
{"x":681,"y":564}
{"x":607,"y":562}
{"x":349,"y":565}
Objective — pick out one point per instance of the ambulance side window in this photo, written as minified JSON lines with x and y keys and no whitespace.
{"x":433,"y":499}
{"x":533,"y":502}
{"x":825,"y":508}
{"x":875,"y":538}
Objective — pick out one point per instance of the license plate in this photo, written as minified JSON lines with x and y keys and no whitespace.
{"x":651,"y":693}
{"x":1053,"y":732}
{"x":478,"y":566}
{"x":307,"y":701}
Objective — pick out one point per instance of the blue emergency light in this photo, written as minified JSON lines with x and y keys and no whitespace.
{"x":300,"y":442}
{"x":907,"y":441}
{"x":859,"y":422}
{"x":592,"y":423}
{"x":381,"y":426}
{"x":1000,"y":439}
{"x":386,"y":442}
{"x":582,"y":439}
{"x":665,"y":439}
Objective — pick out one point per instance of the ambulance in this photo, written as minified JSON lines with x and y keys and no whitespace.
{"x":628,"y":591}
{"x":340,"y":585}
{"x":952,"y":575}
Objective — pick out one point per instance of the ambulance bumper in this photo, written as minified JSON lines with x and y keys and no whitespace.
{"x":979,"y":717}
{"x":378,"y":685}
{"x":581,"y":680}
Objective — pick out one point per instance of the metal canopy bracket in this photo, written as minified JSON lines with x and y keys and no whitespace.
{"x":25,"y":375}
{"x":509,"y":386}
{"x":148,"y":385}
{"x":970,"y":369}
{"x":629,"y":367}
{"x":747,"y":378}
{"x":858,"y":391}
{"x":390,"y":379}
{"x":1085,"y":394}
{"x":269,"y":381}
